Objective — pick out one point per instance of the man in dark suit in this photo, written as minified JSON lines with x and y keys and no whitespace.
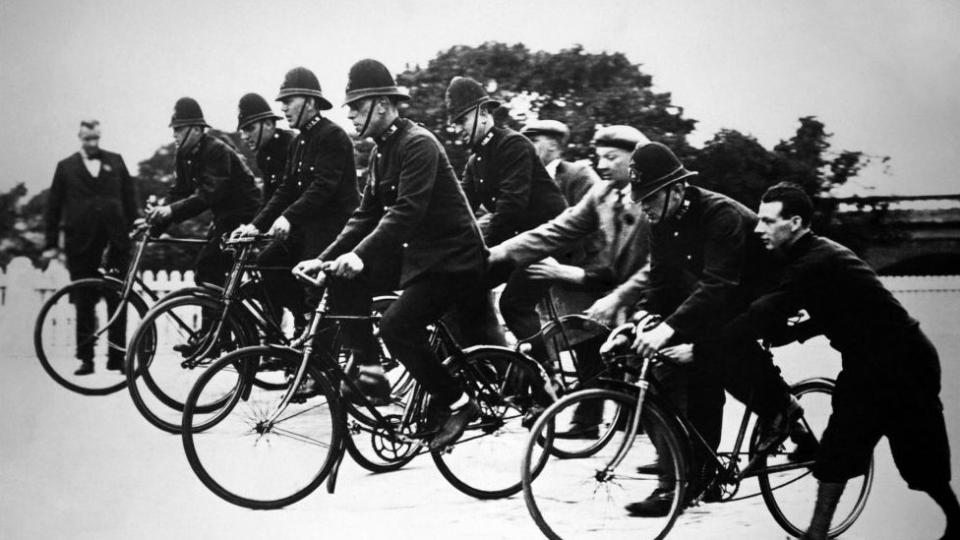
{"x":315,"y":197}
{"x":413,"y":205}
{"x":93,"y":196}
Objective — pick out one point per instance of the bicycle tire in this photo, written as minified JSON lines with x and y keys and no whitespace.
{"x":480,"y":463}
{"x":157,"y":379}
{"x":261,"y":467}
{"x":795,"y":519}
{"x":588,"y":484}
{"x":56,"y":359}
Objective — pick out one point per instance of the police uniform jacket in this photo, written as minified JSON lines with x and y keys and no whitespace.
{"x":89,"y":206}
{"x":212,"y":176}
{"x":706,"y":264}
{"x":319,"y":187}
{"x":413,"y":204}
{"x":506,"y":177}
{"x":271,"y":160}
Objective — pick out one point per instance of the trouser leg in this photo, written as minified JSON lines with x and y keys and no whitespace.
{"x":403,"y":328}
{"x":518,"y":306}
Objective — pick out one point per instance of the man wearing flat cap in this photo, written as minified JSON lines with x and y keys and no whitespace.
{"x":549,"y":137}
{"x":706,"y":267}
{"x":316,"y":195}
{"x":93,"y":195}
{"x":414,"y":213}
{"x":211,"y":175}
{"x":613,"y":277}
{"x":257,"y":124}
{"x":505,"y":177}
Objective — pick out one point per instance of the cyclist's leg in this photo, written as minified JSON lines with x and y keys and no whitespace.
{"x":278,"y":283}
{"x":212,"y":265}
{"x":518,"y":306}
{"x":749,"y":374}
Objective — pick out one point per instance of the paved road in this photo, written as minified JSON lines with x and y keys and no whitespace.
{"x":91,"y":468}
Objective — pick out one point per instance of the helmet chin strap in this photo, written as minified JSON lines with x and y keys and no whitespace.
{"x":473,"y":132}
{"x":256,"y":147}
{"x":666,"y":204}
{"x":300,"y":114}
{"x":366,"y":123}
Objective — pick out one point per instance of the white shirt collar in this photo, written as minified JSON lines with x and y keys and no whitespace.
{"x":552,"y":167}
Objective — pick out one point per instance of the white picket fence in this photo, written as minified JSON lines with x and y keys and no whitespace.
{"x":24,"y":288}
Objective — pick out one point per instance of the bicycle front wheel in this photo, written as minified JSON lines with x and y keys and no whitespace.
{"x":790,"y":493}
{"x":257,"y":452}
{"x":178,"y":339}
{"x":87,"y":320}
{"x":587,"y":495}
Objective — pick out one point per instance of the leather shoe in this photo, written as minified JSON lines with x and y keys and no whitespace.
{"x":657,"y":504}
{"x":372,"y":384}
{"x":86,"y":368}
{"x":454,"y":427}
{"x":115,"y":364}
{"x":807,"y":445}
{"x":775,"y":430}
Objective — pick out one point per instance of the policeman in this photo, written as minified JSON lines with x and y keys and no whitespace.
{"x":210,"y":176}
{"x":316,"y":195}
{"x":257,"y":124}
{"x":505,"y":177}
{"x":412,"y":204}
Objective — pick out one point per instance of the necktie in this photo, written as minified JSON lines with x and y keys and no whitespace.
{"x":617,"y":225}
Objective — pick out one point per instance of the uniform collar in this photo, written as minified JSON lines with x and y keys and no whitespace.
{"x":800,"y":245}
{"x":391,"y":130}
{"x":485,"y":140}
{"x":312,"y":123}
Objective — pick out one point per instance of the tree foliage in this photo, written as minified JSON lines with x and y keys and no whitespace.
{"x":583,"y":90}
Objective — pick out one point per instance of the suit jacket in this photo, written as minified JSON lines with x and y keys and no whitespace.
{"x":706,"y":264}
{"x":414,"y":206}
{"x":623,"y":247}
{"x":318,"y":192}
{"x":87,"y":206}
{"x":574,"y":180}
{"x":272,"y":160}
{"x":506,"y":177}
{"x":212,"y":176}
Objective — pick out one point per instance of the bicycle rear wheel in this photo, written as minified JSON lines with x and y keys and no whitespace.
{"x":246,"y":457}
{"x":169,"y":350}
{"x":790,"y":494}
{"x":482,"y":463}
{"x":59,"y":343}
{"x":585,"y":496}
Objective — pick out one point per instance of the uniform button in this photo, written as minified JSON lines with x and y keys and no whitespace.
{"x":302,"y":143}
{"x":405,"y":245}
{"x":268,"y":158}
{"x":689,"y":257}
{"x":393,"y":188}
{"x":311,"y":168}
{"x":299,"y":164}
{"x":479,"y":158}
{"x":481,"y":180}
{"x":676,"y":233}
{"x":379,"y":155}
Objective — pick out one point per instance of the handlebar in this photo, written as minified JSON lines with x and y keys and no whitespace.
{"x":306,"y":278}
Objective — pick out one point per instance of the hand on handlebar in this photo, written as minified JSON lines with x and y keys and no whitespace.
{"x":244,"y":231}
{"x":680,"y":354}
{"x":649,"y":341}
{"x":306,"y":270}
{"x":347,"y":266}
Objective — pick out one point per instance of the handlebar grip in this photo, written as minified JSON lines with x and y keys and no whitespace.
{"x":315,"y":281}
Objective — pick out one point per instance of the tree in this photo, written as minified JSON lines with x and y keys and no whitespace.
{"x":583,"y":90}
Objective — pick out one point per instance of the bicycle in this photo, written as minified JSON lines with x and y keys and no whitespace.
{"x":120,"y":303}
{"x":649,"y":453}
{"x":180,"y":336}
{"x":267,"y":448}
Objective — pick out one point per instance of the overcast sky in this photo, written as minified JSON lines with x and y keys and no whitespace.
{"x":882,"y":74}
